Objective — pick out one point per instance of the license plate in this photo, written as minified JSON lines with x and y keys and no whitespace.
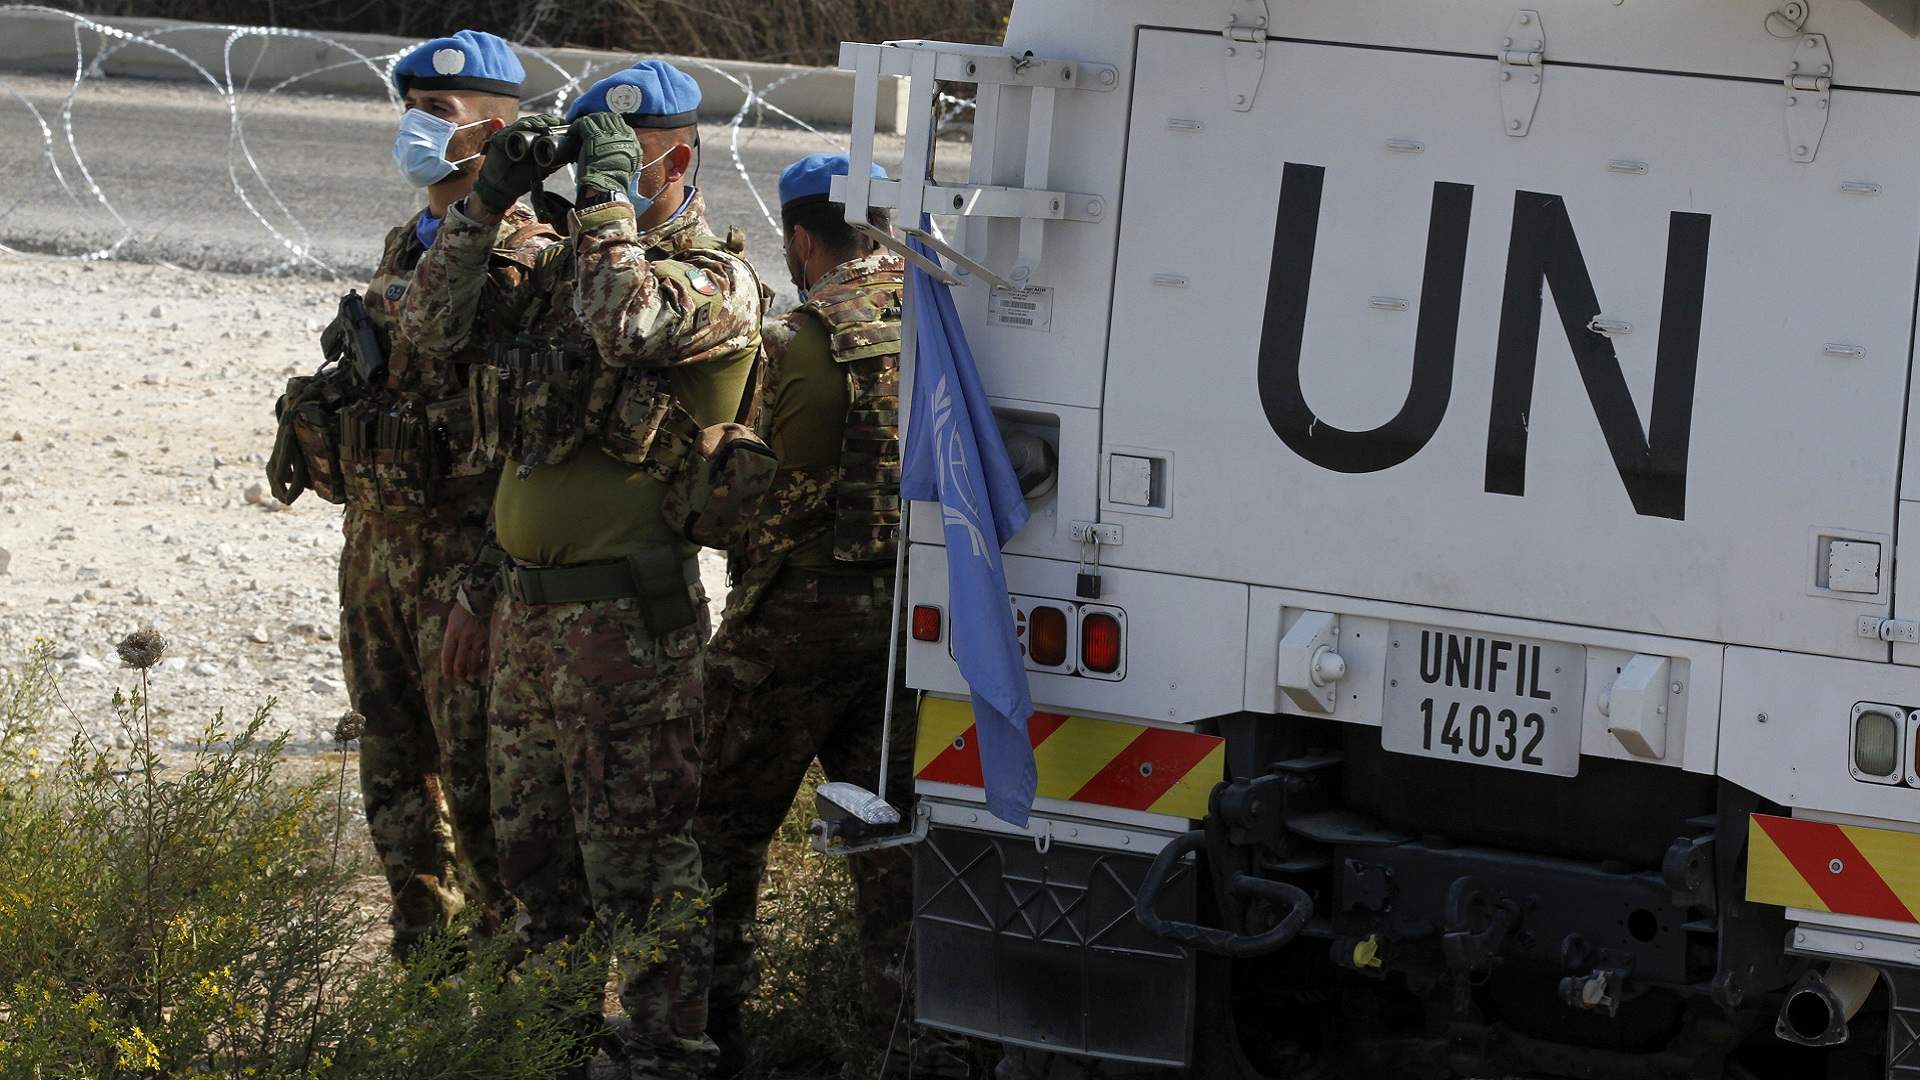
{"x":1488,"y":699}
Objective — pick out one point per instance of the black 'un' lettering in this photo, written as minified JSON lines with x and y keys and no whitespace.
{"x":1545,"y":251}
{"x":1284,"y":332}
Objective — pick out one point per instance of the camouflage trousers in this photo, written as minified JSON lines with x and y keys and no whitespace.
{"x":423,"y":757}
{"x":596,"y":771}
{"x":802,"y":675}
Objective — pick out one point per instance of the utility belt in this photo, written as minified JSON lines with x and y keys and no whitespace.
{"x":656,"y":576}
{"x":394,"y":458}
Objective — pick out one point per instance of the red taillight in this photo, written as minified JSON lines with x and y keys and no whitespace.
{"x":926,"y":622}
{"x":1100,"y":643}
{"x":1047,"y":636}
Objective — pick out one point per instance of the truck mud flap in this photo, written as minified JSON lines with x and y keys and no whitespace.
{"x":1041,"y":949}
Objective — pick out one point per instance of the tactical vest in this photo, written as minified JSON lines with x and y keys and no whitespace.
{"x":401,"y":445}
{"x":541,"y":397}
{"x":862,"y":317}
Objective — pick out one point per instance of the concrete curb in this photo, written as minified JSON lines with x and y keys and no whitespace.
{"x":271,"y":58}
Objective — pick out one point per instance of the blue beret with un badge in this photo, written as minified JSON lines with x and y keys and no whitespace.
{"x":469,"y":60}
{"x":811,"y":178}
{"x":650,"y":94}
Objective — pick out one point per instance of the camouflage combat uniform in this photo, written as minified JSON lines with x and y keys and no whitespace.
{"x":628,"y":342}
{"x":415,"y":517}
{"x":798,"y":670}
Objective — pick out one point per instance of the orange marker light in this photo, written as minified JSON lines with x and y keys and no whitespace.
{"x":926,"y":622}
{"x":1047,"y":636}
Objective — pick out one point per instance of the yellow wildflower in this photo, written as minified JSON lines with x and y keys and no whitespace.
{"x":138,"y":1052}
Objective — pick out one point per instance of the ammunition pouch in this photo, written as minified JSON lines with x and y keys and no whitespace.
{"x":656,"y":576}
{"x":394,"y":456}
{"x":721,"y":474}
{"x":306,"y":448}
{"x":717,"y":490}
{"x":383,"y":455}
{"x":453,"y":435}
{"x":537,"y":404}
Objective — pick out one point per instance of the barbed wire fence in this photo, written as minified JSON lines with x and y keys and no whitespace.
{"x":248,"y":182}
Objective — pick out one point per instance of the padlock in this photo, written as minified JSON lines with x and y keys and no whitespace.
{"x":1087,"y":584}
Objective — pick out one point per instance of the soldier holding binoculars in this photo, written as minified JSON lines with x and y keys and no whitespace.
{"x":639,"y":328}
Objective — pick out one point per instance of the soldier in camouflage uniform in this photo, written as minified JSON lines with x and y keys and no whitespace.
{"x":634,"y":334}
{"x":416,"y":515}
{"x":799,"y":668}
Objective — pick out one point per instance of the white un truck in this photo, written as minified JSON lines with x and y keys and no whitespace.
{"x":1473,"y":589}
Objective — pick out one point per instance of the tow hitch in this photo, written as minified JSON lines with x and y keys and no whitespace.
{"x":1242,"y":817}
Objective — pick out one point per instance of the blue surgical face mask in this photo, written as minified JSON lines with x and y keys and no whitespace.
{"x":420,"y":147}
{"x":643,"y":203}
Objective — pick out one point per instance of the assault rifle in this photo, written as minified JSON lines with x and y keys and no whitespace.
{"x":352,"y":336}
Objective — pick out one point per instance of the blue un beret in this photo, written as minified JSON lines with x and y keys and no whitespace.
{"x":469,"y":60}
{"x":812,"y":177}
{"x":650,"y":94}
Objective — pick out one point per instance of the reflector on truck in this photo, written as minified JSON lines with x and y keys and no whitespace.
{"x":1081,"y":759}
{"x":1843,"y":869}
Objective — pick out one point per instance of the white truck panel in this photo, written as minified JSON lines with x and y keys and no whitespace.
{"x":1786,"y":441}
{"x":1185,"y":654}
{"x":1798,"y":755}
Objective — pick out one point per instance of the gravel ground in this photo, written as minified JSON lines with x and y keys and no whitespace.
{"x":135,"y":419}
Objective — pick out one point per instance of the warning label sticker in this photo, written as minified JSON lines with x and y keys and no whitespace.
{"x":1030,"y":308}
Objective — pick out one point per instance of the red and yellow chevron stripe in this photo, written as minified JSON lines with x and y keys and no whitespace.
{"x":1082,"y":760}
{"x":1844,"y":869}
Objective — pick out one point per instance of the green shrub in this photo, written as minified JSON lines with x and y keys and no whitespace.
{"x":194,"y":916}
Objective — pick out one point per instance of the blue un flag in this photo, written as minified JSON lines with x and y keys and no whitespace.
{"x":954,"y":456}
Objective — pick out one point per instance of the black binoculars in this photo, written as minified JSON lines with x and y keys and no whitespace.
{"x":549,"y":151}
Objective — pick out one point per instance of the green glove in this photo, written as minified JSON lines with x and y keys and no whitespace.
{"x":609,"y":154}
{"x":501,"y":179}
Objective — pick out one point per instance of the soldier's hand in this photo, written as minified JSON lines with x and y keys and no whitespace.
{"x":609,"y":153}
{"x":503,"y":180}
{"x":463,"y":649}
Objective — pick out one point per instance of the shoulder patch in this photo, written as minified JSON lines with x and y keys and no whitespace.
{"x":701,"y":281}
{"x":396,"y":290}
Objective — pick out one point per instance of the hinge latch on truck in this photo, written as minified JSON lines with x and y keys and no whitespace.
{"x":1905,"y":631}
{"x":1523,"y":57}
{"x":1246,"y":43}
{"x":1809,"y":92}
